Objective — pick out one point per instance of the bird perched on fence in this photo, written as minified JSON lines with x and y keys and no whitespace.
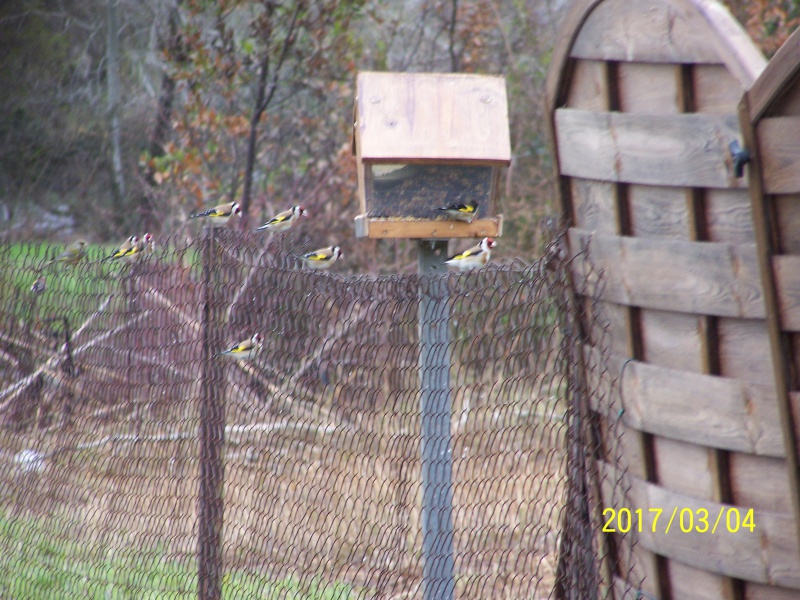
{"x":72,"y":255}
{"x":474,"y":257}
{"x":284,"y":220}
{"x":141,"y":246}
{"x":322,"y":258}
{"x":244,"y":350}
{"x":39,"y":286}
{"x":460,"y":212}
{"x":126,"y":248}
{"x":220,"y":214}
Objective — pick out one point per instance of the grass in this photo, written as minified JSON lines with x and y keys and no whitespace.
{"x":37,"y":564}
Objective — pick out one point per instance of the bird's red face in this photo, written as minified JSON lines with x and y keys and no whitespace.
{"x":301,"y":211}
{"x":257,"y":339}
{"x":237,"y":210}
{"x":490,"y":243}
{"x":147,"y":238}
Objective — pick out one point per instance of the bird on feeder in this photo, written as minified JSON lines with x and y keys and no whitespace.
{"x":460,"y":211}
{"x":322,"y":258}
{"x":284,"y":220}
{"x":244,"y":350}
{"x":474,"y":257}
{"x":220,"y":214}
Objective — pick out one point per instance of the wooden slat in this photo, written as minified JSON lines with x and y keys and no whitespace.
{"x":770,"y":87}
{"x":729,"y":217}
{"x":788,"y":207}
{"x":648,"y":88}
{"x":684,"y":467}
{"x":760,"y":481}
{"x":406,"y":116}
{"x":744,"y":350}
{"x":587,"y":89}
{"x":593,"y":205}
{"x":423,"y":229}
{"x":673,"y":340}
{"x":779,"y":154}
{"x":645,"y":31}
{"x":768,"y":554}
{"x":658,"y":212}
{"x":673,"y":150}
{"x":715,"y":89}
{"x":691,"y":277}
{"x":718,"y":412}
{"x":787,"y":283}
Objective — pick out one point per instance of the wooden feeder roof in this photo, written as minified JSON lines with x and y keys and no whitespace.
{"x":431,"y":117}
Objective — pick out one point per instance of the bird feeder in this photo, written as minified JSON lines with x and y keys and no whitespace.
{"x":429,"y":140}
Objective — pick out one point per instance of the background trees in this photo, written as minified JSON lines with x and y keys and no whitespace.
{"x":252,"y":100}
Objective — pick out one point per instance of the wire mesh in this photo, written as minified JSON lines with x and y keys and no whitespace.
{"x":137,"y":462}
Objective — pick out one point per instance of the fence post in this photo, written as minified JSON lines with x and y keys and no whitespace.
{"x":212,"y":432}
{"x":435,"y":404}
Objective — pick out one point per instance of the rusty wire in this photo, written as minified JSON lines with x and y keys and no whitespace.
{"x":103,"y":379}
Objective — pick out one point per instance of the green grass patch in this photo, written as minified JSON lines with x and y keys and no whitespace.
{"x":37,"y":563}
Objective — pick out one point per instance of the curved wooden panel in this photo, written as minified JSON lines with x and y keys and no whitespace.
{"x":643,"y":100}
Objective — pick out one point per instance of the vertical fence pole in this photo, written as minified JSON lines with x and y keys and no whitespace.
{"x":435,"y":403}
{"x":212,"y":432}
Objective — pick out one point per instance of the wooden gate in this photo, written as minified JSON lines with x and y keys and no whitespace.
{"x":643,"y":101}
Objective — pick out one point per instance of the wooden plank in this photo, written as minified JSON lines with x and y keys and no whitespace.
{"x":768,"y":554}
{"x":779,"y":154}
{"x":729,"y":217}
{"x":588,"y":86}
{"x":715,"y":89}
{"x":686,"y":581}
{"x":758,"y":591}
{"x":407,"y":116}
{"x":760,"y":481}
{"x":684,"y":467}
{"x":717,"y":412}
{"x":763,"y":219}
{"x":645,"y":31}
{"x":648,"y":88}
{"x":744,"y":350}
{"x":770,"y":87}
{"x":672,"y":150}
{"x":787,"y":283}
{"x":787,"y":209}
{"x":672,"y":340}
{"x":741,"y":56}
{"x":703,"y":277}
{"x":658,"y":212}
{"x":424,"y":229}
{"x":593,"y":205}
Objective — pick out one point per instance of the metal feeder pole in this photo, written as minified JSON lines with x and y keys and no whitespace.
{"x":438,"y":581}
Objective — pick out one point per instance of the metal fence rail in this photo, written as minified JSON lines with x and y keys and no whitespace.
{"x":135,"y":463}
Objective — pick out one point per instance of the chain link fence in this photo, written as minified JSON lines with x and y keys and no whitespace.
{"x":137,"y":463}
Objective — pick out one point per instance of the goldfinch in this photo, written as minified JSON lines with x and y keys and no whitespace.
{"x":283,"y":220}
{"x":72,"y":254}
{"x":460,"y":212}
{"x":244,"y":350}
{"x":39,"y":286}
{"x":322,"y":258}
{"x":125,"y":249}
{"x":220,"y":214}
{"x":474,"y":258}
{"x":145,"y":244}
